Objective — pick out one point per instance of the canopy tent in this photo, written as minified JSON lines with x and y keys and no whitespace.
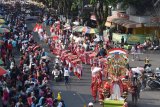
{"x":4,"y":30}
{"x":3,"y":26}
{"x":126,"y":23}
{"x":2,"y":21}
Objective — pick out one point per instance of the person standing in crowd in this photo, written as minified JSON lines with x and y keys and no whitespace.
{"x":66,"y":75}
{"x":122,"y":42}
{"x":134,"y":90}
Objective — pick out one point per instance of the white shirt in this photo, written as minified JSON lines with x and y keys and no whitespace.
{"x":66,"y":72}
{"x":60,"y":104}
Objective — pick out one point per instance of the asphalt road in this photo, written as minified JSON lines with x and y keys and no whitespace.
{"x":77,"y":93}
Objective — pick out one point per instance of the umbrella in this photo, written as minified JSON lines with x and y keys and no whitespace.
{"x":25,"y":41}
{"x":55,"y":37}
{"x":45,"y":57}
{"x":1,"y":42}
{"x":2,"y":21}
{"x":2,"y":71}
{"x":4,"y":30}
{"x":1,"y":62}
{"x":90,"y":30}
{"x":96,"y":70}
{"x":3,"y":26}
{"x":78,"y":28}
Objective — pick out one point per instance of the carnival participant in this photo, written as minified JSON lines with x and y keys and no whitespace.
{"x":66,"y":75}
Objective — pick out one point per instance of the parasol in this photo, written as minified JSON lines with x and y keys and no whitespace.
{"x":90,"y":30}
{"x":25,"y":41}
{"x":4,"y":30}
{"x":55,"y":37}
{"x":3,"y":26}
{"x":96,"y":70}
{"x":45,"y":57}
{"x":78,"y":28}
{"x":2,"y":71}
{"x":2,"y":21}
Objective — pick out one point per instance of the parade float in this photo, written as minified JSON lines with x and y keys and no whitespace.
{"x":113,"y":90}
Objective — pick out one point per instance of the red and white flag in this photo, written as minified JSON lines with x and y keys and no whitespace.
{"x":36,"y":28}
{"x":40,"y":28}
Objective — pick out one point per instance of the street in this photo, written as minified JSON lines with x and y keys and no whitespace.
{"x":138,"y":26}
{"x":77,"y":93}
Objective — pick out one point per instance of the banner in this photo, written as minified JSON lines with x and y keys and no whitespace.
{"x":116,"y":37}
{"x":130,"y":38}
{"x":133,"y":39}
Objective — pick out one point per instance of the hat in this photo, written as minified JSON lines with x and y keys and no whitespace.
{"x":90,"y":104}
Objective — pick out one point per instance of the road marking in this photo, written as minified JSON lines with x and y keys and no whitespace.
{"x":82,"y":99}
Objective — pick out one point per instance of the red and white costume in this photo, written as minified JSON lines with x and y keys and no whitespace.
{"x":78,"y":71}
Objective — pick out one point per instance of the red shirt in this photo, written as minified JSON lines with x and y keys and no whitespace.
{"x":9,"y":46}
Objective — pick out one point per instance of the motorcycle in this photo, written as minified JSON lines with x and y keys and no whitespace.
{"x":153,"y":83}
{"x":56,"y":75}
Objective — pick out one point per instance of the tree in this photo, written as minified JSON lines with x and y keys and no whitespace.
{"x":62,"y":6}
{"x":100,"y":10}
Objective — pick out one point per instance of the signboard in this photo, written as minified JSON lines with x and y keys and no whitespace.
{"x":130,"y":39}
{"x":116,"y":37}
{"x":133,"y":39}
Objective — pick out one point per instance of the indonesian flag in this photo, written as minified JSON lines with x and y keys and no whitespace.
{"x":40,"y":29}
{"x":36,"y":28}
